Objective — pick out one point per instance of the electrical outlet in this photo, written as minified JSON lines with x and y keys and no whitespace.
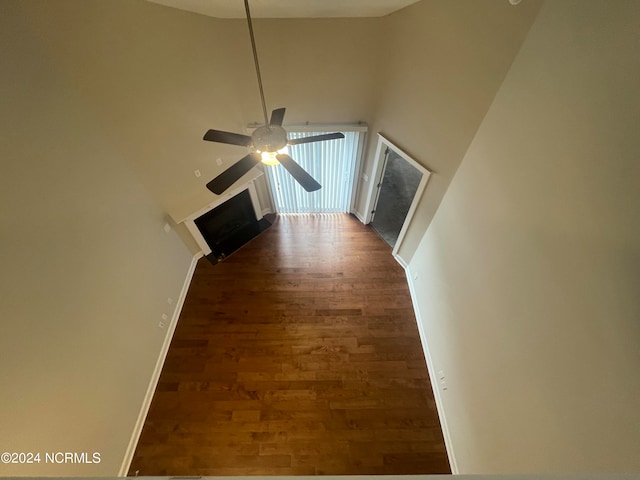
{"x":166,"y":227}
{"x":442,"y":380}
{"x":218,"y":161}
{"x":161,"y":325}
{"x":197,"y":173}
{"x":164,"y":316}
{"x":170,"y":300}
{"x":365,"y":177}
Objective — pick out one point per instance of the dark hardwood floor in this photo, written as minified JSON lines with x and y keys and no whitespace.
{"x":298,"y":355}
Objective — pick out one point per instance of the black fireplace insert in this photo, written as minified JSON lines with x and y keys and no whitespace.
{"x":230,"y":225}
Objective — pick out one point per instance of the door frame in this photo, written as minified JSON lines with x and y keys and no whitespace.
{"x":376,"y":177}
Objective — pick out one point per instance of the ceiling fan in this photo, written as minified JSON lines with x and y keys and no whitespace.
{"x":267,"y":143}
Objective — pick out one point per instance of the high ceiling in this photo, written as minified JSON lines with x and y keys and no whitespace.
{"x":289,"y":8}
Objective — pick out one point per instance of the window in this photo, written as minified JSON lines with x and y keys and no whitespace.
{"x":332,"y":163}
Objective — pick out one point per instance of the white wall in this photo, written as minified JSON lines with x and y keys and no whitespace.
{"x":441,"y":63}
{"x":529,"y":273}
{"x":86,"y":268}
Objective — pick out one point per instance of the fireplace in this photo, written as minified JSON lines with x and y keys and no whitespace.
{"x":229,"y":226}
{"x":227,"y":221}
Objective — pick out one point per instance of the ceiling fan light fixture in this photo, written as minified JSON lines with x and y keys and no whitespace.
{"x":269,"y":158}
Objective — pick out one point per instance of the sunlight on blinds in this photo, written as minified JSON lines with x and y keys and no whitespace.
{"x":331,"y":163}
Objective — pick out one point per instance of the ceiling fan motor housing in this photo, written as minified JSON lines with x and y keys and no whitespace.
{"x":269,"y":138}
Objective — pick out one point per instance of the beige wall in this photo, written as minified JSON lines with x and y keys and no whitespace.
{"x":441,"y":63}
{"x":528,"y":275}
{"x":159,"y":78}
{"x":86,"y":268}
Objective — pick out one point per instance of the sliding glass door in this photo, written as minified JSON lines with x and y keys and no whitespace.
{"x":332,"y":163}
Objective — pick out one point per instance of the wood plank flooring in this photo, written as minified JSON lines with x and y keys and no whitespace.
{"x":298,"y":355}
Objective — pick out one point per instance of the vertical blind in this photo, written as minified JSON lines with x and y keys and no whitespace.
{"x":331,"y":163}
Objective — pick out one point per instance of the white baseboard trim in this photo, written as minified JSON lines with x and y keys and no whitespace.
{"x":146,"y":403}
{"x":402,"y":263}
{"x":359,"y":216}
{"x":432,"y":371}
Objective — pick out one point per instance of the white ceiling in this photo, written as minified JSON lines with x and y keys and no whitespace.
{"x":289,"y":8}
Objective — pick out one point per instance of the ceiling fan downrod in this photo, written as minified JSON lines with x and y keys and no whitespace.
{"x":266,"y":143}
{"x":255,"y":59}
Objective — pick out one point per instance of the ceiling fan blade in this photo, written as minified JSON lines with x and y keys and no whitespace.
{"x":227,"y":137}
{"x":223,"y":181}
{"x":297,"y":172}
{"x":315,"y":138}
{"x":277,"y":116}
